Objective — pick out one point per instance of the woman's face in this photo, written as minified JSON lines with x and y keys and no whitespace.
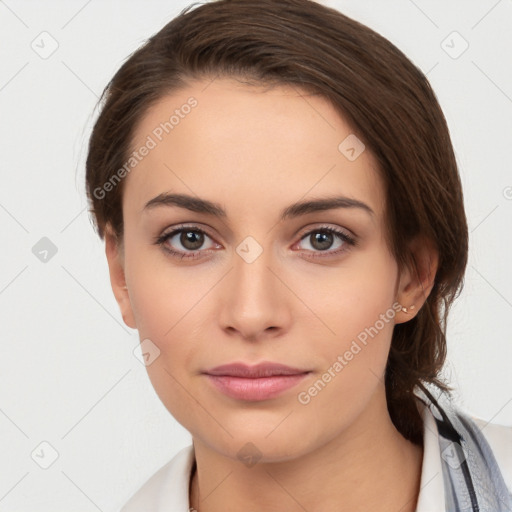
{"x":257,"y":279}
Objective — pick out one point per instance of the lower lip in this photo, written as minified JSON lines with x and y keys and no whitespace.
{"x":262,"y":388}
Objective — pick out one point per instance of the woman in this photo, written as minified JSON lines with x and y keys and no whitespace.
{"x":284,"y":225}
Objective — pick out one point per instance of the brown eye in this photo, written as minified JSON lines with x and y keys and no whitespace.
{"x":191,"y":240}
{"x":321,"y":240}
{"x":185,"y":242}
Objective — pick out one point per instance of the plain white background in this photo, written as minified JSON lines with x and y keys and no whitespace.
{"x":69,"y":376}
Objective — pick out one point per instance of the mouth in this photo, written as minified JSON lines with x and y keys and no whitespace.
{"x":255,"y":383}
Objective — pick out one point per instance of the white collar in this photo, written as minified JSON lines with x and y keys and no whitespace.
{"x":168,"y":489}
{"x":431,"y":497}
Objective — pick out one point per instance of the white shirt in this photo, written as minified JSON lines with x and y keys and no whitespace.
{"x":167,"y":490}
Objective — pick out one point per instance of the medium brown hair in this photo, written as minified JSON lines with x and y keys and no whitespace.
{"x":384,"y":97}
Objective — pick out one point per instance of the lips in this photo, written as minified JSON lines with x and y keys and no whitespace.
{"x":254,"y":383}
{"x":265,"y":369}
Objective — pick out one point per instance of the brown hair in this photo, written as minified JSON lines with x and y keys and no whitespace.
{"x":384,"y":97}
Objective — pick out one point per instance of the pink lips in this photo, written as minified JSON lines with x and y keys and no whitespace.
{"x":253,"y":383}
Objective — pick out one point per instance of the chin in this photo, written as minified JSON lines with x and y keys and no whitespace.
{"x":251,"y":444}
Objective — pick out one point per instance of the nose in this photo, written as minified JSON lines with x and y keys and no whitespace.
{"x":253,"y":302}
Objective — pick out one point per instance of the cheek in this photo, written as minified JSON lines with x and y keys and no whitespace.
{"x":163,"y":296}
{"x":169,"y":306}
{"x":352,"y":297}
{"x":357,"y":306}
{"x":168,"y":321}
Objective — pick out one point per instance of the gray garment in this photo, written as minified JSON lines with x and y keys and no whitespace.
{"x":472,"y":479}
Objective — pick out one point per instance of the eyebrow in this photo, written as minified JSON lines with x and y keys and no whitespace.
{"x":198,"y":205}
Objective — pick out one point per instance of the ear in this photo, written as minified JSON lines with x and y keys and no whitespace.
{"x":115,"y":256}
{"x":417,"y":279}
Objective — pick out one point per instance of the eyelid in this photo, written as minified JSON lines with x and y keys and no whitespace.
{"x":171,"y":232}
{"x":327,"y":227}
{"x":348,"y":239}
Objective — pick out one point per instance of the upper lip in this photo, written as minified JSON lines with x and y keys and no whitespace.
{"x":265,"y":369}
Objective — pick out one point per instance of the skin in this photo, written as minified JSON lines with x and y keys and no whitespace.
{"x":255,"y":151}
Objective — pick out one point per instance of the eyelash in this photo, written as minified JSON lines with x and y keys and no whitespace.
{"x":161,"y":240}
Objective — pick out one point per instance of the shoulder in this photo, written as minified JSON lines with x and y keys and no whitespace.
{"x":167,"y":487}
{"x":492,"y":441}
{"x":499,"y":438}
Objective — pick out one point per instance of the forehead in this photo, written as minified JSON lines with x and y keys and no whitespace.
{"x":244,"y":146}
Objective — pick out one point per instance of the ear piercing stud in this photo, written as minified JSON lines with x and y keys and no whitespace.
{"x":405,"y":310}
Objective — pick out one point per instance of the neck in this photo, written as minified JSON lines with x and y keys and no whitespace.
{"x":368,"y":466}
